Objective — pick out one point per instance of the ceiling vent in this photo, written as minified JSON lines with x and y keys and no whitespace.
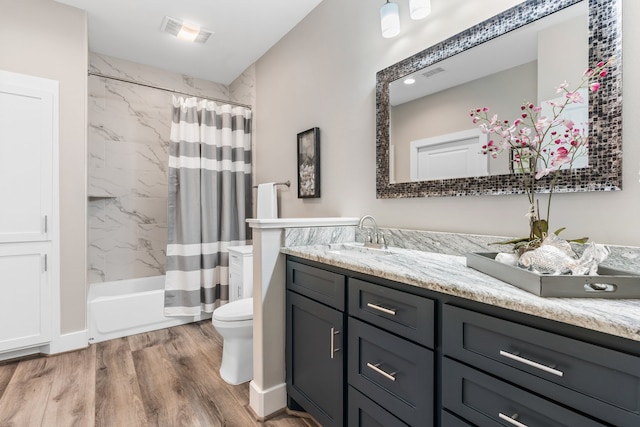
{"x":184,"y":30}
{"x":433,"y":72}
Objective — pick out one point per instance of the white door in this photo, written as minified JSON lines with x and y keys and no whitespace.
{"x":26,"y":144}
{"x":25,"y":302}
{"x":453,"y":155}
{"x":28,"y":210}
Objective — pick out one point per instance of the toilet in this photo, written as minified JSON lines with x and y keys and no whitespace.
{"x":234,"y":320}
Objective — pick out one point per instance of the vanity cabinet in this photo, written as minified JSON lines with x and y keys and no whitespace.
{"x":494,"y":369}
{"x":315,"y":357}
{"x":390,"y":343}
{"x":408,"y":356}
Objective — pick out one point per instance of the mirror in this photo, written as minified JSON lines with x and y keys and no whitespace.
{"x":465,"y":52}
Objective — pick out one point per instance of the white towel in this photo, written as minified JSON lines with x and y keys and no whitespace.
{"x":267,"y":200}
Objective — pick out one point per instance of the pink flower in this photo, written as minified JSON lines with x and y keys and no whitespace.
{"x":594,"y":86}
{"x":561,"y":157}
{"x":562,"y":87}
{"x":568,"y":124}
{"x":589,"y":71}
{"x":603,"y":73}
{"x":544,"y":172}
{"x":575,"y":97}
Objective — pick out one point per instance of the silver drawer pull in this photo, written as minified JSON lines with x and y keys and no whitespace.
{"x":531,"y":363}
{"x":391,"y":376}
{"x":511,"y":420}
{"x":333,"y":334}
{"x":391,"y":311}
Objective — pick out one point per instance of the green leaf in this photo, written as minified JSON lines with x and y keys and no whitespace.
{"x":580,"y":240}
{"x":559,"y":230}
{"x":540,"y":228}
{"x":511,"y":242}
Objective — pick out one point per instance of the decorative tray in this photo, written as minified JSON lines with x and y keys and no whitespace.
{"x":609,"y":283}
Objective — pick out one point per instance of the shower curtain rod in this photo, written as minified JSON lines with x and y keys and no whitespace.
{"x":120,"y":79}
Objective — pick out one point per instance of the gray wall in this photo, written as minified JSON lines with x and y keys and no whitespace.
{"x":47,"y":39}
{"x":323,"y":74}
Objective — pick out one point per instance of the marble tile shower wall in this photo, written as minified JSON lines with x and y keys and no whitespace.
{"x":128,"y":141}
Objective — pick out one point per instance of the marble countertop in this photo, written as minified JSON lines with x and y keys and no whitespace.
{"x":449,"y":274}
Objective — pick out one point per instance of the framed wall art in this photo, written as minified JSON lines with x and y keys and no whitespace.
{"x":309,"y":164}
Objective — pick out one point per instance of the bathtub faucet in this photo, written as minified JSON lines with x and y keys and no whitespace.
{"x":373,"y":239}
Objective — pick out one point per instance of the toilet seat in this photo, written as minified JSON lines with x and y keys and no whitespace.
{"x":235,"y":311}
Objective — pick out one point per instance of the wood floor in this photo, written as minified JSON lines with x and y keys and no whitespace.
{"x":161,"y":378}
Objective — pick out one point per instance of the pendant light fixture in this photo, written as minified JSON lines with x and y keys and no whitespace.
{"x":419,"y":9}
{"x":390,"y":15}
{"x":390,"y":20}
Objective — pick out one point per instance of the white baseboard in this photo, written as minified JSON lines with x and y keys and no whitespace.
{"x":269,"y":401}
{"x":69,"y":342}
{"x":61,"y":344}
{"x":14,"y":354}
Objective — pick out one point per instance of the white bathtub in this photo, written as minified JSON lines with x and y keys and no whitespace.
{"x":129,"y":307}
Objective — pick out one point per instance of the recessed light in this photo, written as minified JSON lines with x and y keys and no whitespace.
{"x":409,"y":81}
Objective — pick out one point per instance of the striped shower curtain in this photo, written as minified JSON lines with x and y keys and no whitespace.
{"x":209,"y":200}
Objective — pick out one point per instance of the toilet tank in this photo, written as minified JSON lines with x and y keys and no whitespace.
{"x":240,"y":272}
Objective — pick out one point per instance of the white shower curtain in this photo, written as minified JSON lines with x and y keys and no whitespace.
{"x":209,"y":200}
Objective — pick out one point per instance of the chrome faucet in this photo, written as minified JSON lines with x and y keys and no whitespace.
{"x":375,"y":239}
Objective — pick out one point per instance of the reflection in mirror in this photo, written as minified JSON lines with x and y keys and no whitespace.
{"x":426,"y":143}
{"x":430,"y":131}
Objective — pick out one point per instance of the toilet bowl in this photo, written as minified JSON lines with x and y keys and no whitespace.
{"x":234,"y":322}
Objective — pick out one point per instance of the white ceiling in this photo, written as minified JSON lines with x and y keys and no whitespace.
{"x":243,"y":31}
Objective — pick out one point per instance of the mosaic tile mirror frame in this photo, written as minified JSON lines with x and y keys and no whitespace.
{"x":605,"y":106}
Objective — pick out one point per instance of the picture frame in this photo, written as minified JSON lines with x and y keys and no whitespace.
{"x":309,"y":164}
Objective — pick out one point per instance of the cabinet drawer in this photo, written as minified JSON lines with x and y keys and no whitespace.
{"x":583,"y":376}
{"x":395,"y":373}
{"x":448,"y":420}
{"x":364,"y":412}
{"x":320,"y":285}
{"x":487,"y":401}
{"x":402,"y":313}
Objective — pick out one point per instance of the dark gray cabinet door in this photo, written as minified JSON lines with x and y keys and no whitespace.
{"x":364,"y":412}
{"x":315,"y":361}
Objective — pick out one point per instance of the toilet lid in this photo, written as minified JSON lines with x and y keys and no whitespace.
{"x":236,"y":310}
